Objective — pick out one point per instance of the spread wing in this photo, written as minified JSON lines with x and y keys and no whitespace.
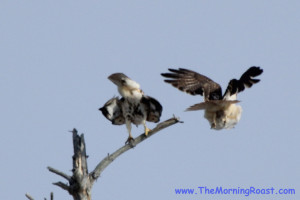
{"x":213,"y":105}
{"x":194,"y":83}
{"x":112,"y":110}
{"x":153,"y":108}
{"x":246,"y":81}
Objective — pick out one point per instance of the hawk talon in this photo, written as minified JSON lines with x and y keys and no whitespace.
{"x":147,"y":130}
{"x":130,"y":141}
{"x":213,"y":125}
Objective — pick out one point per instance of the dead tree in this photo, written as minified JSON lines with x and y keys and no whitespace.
{"x":81,"y":182}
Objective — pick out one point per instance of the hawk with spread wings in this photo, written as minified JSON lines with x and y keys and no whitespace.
{"x":134,"y":106}
{"x":220,"y":110}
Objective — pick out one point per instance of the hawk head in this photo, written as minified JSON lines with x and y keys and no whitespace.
{"x":121,"y":80}
{"x":128,"y":88}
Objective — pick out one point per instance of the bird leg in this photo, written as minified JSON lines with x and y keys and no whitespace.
{"x":146,"y":128}
{"x":214,"y":123}
{"x":130,"y":138}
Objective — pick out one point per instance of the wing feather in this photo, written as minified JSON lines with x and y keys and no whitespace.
{"x":193,"y":83}
{"x":153,"y":108}
{"x":246,"y":81}
{"x":112,"y":110}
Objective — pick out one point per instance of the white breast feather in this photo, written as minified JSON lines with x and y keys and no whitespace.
{"x":131,"y":91}
{"x":225,"y":118}
{"x":131,"y":84}
{"x":233,"y":113}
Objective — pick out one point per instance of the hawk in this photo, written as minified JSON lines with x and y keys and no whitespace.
{"x":133,"y":107}
{"x":221,"y":111}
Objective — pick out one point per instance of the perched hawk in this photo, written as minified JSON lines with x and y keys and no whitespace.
{"x":220,"y":110}
{"x":134,"y":106}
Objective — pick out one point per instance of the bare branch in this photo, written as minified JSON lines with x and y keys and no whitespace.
{"x":62,"y":185}
{"x":110,"y":158}
{"x":55,"y":171}
{"x":29,"y":196}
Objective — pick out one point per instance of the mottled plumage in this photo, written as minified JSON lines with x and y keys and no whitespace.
{"x":220,"y":110}
{"x":134,"y":107}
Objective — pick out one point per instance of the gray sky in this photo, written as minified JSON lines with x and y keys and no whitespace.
{"x":55,"y":59}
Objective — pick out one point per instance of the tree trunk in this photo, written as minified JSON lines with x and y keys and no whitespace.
{"x":81,"y":182}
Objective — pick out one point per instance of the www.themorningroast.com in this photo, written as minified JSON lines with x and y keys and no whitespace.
{"x":247,"y":191}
